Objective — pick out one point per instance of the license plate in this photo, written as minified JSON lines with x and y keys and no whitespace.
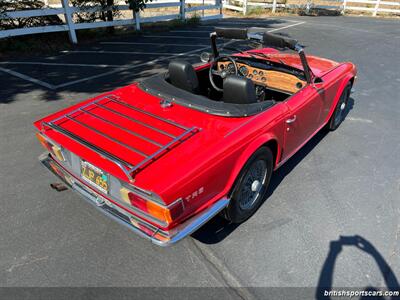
{"x":94,"y":176}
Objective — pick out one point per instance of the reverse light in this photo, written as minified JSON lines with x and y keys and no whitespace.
{"x":165,"y":214}
{"x":54,"y":149}
{"x":155,"y":233}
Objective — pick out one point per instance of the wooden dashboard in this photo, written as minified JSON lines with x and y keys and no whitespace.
{"x":273,"y":79}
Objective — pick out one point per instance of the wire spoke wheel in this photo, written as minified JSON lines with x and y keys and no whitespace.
{"x":253,"y":184}
{"x":341,"y":108}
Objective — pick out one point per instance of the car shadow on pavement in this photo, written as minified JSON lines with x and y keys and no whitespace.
{"x":326,"y":276}
{"x":218,"y":228}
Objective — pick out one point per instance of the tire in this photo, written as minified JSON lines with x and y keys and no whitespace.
{"x":340,"y":110}
{"x":250,"y":188}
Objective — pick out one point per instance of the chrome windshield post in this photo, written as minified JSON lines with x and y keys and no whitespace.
{"x":307,"y":71}
{"x":213,"y":37}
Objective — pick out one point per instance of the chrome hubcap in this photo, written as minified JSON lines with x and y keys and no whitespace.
{"x":252,"y":185}
{"x":255,"y":186}
{"x":342,"y":106}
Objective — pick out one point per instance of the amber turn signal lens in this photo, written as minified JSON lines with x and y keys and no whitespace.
{"x":54,"y":149}
{"x":162,"y":213}
{"x":159,"y":212}
{"x":43,"y":141}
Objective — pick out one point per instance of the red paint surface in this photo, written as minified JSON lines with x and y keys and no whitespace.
{"x":212,"y":158}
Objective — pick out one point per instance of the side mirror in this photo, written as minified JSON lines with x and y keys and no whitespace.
{"x":205,"y":57}
{"x":318,"y":84}
{"x":318,"y":80}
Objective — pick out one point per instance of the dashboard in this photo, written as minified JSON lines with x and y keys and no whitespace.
{"x":269,"y":78}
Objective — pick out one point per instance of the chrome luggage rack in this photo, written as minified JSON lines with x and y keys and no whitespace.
{"x":128,"y":168}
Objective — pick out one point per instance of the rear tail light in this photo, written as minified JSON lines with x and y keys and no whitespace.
{"x":166,"y":214}
{"x":54,"y":149}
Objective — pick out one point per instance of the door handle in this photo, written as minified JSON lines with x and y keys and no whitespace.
{"x":292,"y":120}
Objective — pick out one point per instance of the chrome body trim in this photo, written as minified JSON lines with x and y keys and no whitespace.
{"x":194,"y":223}
{"x":122,"y":217}
{"x":292,"y":120}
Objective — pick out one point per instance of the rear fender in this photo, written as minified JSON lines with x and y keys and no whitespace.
{"x":248,"y":152}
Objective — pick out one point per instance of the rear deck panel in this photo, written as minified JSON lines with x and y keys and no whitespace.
{"x":96,"y":126}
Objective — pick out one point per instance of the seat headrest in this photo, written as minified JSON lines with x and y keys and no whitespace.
{"x":183,"y":76}
{"x":239,"y":90}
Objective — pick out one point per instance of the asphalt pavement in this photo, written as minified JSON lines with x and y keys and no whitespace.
{"x":331,"y":220}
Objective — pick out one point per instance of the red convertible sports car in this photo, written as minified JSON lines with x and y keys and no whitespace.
{"x":167,"y":154}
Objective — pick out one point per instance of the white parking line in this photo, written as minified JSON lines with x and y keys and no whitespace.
{"x":190,"y":31}
{"x":290,"y":21}
{"x":129,"y":68}
{"x":276,"y":29}
{"x":28,"y":78}
{"x":256,"y":21}
{"x":55,"y":64}
{"x":266,"y":22}
{"x":239,"y":23}
{"x":175,"y":37}
{"x":119,"y":52}
{"x":138,"y":43}
{"x":155,"y":60}
{"x":124,"y":68}
{"x":273,"y":29}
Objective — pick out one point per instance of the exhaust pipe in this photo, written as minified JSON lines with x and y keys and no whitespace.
{"x":59,"y":187}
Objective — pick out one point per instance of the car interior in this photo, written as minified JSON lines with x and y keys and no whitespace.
{"x":245,"y":86}
{"x":233,"y":85}
{"x":250,"y":85}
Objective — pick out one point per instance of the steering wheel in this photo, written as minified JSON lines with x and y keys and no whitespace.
{"x":223,"y":73}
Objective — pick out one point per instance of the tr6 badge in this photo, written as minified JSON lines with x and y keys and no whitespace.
{"x":194,"y":194}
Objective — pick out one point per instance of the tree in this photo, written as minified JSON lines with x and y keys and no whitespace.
{"x":15,"y":5}
{"x":87,"y":15}
{"x":105,"y":15}
{"x":108,"y":12}
{"x":137,"y":5}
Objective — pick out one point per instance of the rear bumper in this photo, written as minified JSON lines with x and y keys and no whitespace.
{"x":140,"y":227}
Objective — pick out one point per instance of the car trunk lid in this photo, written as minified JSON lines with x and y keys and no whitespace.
{"x":117,"y":131}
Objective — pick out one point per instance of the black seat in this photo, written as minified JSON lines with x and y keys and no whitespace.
{"x":239,"y":90}
{"x":183,"y":76}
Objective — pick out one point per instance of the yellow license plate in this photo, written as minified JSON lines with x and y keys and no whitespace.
{"x":95,"y":177}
